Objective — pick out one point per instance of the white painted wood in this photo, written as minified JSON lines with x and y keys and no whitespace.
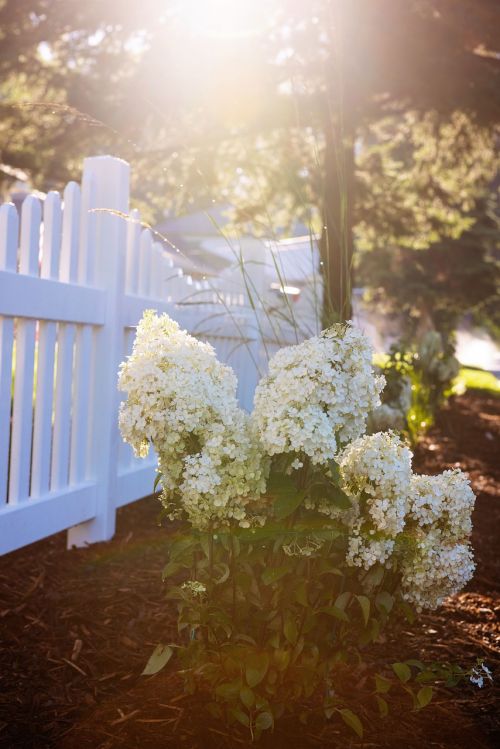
{"x":42,"y":429}
{"x":62,"y":407}
{"x":9,"y":228}
{"x":88,"y":228}
{"x":22,"y":417}
{"x":133,"y":241}
{"x":30,"y":236}
{"x":145,"y":263}
{"x":80,"y":434}
{"x":51,"y":246}
{"x":111,"y":179}
{"x":156,"y":271}
{"x":43,"y":299}
{"x":31,"y":521}
{"x":136,"y":482}
{"x":70,"y":234}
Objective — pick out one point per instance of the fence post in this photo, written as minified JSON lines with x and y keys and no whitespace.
{"x":107,"y":178}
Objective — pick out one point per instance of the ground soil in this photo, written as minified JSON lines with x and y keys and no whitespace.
{"x":77,"y":627}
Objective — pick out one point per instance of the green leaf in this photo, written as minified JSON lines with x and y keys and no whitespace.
{"x":334,"y":471}
{"x":424,"y":696}
{"x":339,"y":498}
{"x":286,"y":497}
{"x":247,"y":697}
{"x":374,"y":576}
{"x":415,"y":664}
{"x":272,"y":574}
{"x":170,"y":569}
{"x":383,"y":707}
{"x":342,"y":600}
{"x":382,"y":685}
{"x":384,"y":601}
{"x":158,"y":659}
{"x":264,"y":721}
{"x":179,"y":546}
{"x":158,"y":478}
{"x":281,"y":659}
{"x":240,"y":716}
{"x":402,"y":671}
{"x":352,"y":720}
{"x":229,"y":690}
{"x":336,"y":612}
{"x":364,"y":603}
{"x":256,"y":666}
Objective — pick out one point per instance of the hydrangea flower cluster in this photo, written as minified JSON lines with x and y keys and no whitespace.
{"x":428,"y":517}
{"x":444,"y":502}
{"x":440,"y":520}
{"x":435,"y":570}
{"x":376,"y":472}
{"x":317,"y":395}
{"x":182,"y":400}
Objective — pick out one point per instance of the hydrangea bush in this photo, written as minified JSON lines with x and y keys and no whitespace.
{"x":298,"y":536}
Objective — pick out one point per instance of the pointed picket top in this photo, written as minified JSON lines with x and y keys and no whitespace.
{"x":9,"y":236}
{"x":51,"y":246}
{"x":31,"y":215}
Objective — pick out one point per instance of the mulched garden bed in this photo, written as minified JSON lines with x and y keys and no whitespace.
{"x":76,"y":629}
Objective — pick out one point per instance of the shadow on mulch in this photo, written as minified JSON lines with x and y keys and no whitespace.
{"x":77,"y":627}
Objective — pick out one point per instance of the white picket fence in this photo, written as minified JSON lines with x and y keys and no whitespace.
{"x":74,"y":281}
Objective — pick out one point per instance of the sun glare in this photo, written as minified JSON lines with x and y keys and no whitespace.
{"x":220,"y":18}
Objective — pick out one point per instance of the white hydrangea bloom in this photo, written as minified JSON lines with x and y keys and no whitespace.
{"x":182,"y":400}
{"x":365,"y":550}
{"x":317,"y":395}
{"x":435,"y":571}
{"x":444,"y":502}
{"x":376,"y":474}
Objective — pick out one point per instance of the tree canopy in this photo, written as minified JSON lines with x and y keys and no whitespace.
{"x":374,"y":121}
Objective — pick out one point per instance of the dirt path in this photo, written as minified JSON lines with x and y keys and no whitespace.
{"x":76,"y":628}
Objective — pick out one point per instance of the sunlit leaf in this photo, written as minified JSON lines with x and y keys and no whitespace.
{"x":256,"y":666}
{"x":402,"y":671}
{"x":424,"y":696}
{"x":158,"y":659}
{"x":352,"y":720}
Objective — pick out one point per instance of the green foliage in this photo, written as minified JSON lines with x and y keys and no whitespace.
{"x":272,"y":620}
{"x":478,"y":379}
{"x":418,"y":381}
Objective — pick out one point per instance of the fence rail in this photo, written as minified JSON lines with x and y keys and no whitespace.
{"x":74,"y":282}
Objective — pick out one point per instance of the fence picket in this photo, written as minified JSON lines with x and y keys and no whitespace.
{"x":133,"y":242}
{"x":70,"y":233}
{"x":42,"y":428}
{"x":145,"y":262}
{"x":62,"y":417}
{"x":79,"y":451}
{"x":22,"y":417}
{"x":9,"y":229}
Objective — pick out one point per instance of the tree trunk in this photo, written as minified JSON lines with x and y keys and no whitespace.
{"x":336,"y":243}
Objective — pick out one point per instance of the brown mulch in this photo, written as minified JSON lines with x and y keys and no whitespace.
{"x":77,"y":627}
